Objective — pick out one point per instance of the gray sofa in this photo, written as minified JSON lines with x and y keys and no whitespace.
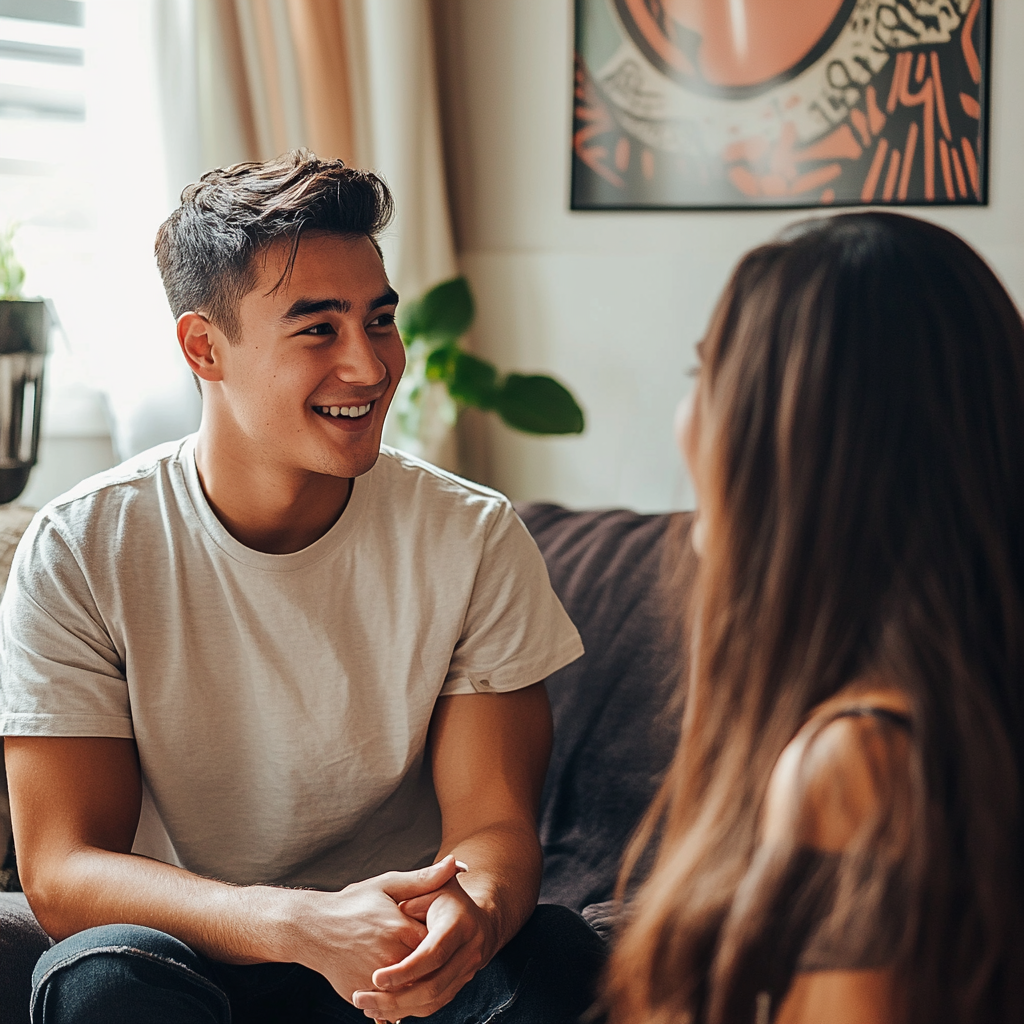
{"x":623,"y":578}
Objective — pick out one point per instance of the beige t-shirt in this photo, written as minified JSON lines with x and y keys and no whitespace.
{"x":280,"y":703}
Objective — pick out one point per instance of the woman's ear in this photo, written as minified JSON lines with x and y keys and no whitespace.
{"x":200,"y":344}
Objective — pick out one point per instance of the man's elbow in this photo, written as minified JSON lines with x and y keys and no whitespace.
{"x":52,"y":893}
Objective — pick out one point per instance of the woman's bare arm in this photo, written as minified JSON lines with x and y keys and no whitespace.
{"x":835,"y":777}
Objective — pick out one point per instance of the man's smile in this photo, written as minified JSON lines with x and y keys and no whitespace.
{"x":352,"y":417}
{"x":353,"y":412}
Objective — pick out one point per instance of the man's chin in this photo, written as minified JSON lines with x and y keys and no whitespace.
{"x":351,"y":465}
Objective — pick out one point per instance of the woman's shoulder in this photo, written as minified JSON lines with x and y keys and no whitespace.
{"x":844,"y":776}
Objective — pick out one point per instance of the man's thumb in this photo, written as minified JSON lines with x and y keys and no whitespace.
{"x":406,"y":885}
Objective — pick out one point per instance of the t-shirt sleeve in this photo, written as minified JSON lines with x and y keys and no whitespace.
{"x":60,"y":672}
{"x":516,"y":631}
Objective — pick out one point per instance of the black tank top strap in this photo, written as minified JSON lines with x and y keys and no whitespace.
{"x":897,"y":718}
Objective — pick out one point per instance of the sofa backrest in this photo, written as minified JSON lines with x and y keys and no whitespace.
{"x":624,"y":579}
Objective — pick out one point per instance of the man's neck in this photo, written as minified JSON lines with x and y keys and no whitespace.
{"x":263,"y":506}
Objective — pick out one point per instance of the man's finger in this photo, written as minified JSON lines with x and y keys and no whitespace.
{"x":406,"y":885}
{"x":419,"y":1000}
{"x":418,"y":906}
{"x":429,"y":956}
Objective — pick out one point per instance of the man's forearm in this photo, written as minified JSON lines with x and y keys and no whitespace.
{"x":504,"y":861}
{"x":345,"y":935}
{"x":234,"y":924}
{"x":76,"y":803}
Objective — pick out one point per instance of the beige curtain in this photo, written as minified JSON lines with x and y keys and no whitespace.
{"x":400,"y":112}
{"x":321,"y":39}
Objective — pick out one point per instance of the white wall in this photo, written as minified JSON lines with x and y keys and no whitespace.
{"x":613,"y":302}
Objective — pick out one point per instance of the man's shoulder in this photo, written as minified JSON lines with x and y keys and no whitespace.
{"x":422,"y":483}
{"x":98,"y":500}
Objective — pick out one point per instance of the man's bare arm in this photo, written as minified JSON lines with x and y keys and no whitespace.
{"x":489,"y":754}
{"x":76,"y":802}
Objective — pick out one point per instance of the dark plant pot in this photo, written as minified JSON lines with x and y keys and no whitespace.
{"x":24,"y":341}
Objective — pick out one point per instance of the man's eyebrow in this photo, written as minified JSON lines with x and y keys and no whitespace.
{"x":310,"y":307}
{"x":301,"y":308}
{"x":389,"y":298}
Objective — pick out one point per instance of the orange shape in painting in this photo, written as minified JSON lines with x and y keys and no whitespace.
{"x":622,"y":154}
{"x":745,"y":180}
{"x":874,"y":172}
{"x":746,"y":42}
{"x":972,"y":108}
{"x":971,"y":162}
{"x":961,"y":181}
{"x":876,"y":119}
{"x":839,"y":143}
{"x":890,"y":178}
{"x":947,"y":170}
{"x":813,"y":179}
{"x":750,"y":150}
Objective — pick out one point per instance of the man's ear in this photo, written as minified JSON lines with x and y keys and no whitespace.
{"x":200,"y":343}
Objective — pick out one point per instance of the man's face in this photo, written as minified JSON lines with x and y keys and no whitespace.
{"x":310,"y":380}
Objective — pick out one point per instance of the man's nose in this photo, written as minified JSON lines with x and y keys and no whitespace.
{"x":357,"y":360}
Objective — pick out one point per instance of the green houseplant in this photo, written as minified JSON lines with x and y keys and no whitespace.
{"x":441,"y":377}
{"x":12,"y":273}
{"x":24,"y":335}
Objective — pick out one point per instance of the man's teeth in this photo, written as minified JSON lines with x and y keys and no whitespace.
{"x":352,"y":411}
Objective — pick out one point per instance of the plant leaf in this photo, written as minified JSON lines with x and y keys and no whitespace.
{"x":441,"y":363}
{"x":470,"y":380}
{"x":409,"y":321}
{"x":538,"y":405}
{"x":473,"y":381}
{"x":442,"y":315}
{"x":12,"y":274}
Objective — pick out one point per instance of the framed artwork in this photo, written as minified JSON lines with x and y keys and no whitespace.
{"x":687,"y":104}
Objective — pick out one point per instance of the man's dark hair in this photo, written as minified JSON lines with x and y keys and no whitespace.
{"x":206,"y":249}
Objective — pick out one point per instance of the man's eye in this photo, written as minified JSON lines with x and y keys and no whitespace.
{"x":319,"y":329}
{"x":383,"y":320}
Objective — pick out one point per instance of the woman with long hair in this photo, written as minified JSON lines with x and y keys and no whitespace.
{"x":840,"y":833}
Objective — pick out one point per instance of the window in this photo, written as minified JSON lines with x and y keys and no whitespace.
{"x":42,"y":143}
{"x":84,"y":173}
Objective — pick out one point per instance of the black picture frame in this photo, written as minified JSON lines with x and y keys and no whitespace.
{"x":863,"y":102}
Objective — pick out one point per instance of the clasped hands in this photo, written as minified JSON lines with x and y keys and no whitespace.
{"x":422,"y":926}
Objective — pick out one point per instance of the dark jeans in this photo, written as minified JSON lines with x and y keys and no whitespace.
{"x":127,"y":974}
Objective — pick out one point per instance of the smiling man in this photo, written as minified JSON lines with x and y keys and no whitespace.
{"x":274,"y":731}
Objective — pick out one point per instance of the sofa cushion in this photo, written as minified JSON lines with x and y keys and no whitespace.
{"x":624,"y":580}
{"x":22,"y":942}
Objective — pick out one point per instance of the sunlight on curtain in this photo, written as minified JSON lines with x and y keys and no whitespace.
{"x":322,"y":35}
{"x":399,"y":107}
{"x":143,"y":149}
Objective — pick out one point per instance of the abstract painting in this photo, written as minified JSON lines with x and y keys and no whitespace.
{"x":684,"y":104}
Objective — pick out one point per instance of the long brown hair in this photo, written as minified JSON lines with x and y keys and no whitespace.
{"x":861,"y":467}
